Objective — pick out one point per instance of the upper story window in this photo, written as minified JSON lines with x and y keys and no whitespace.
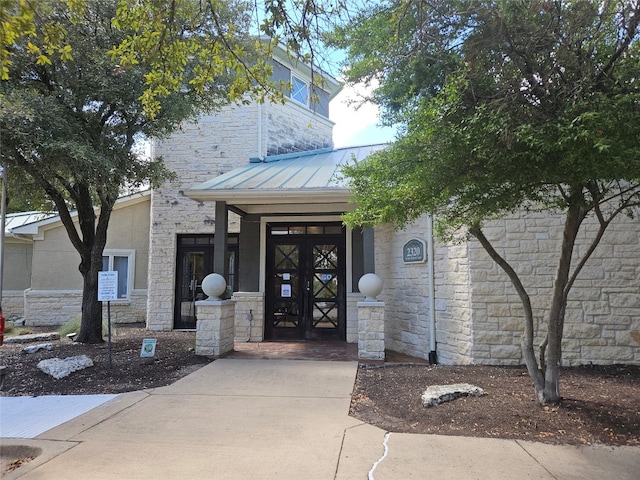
{"x":121,"y":261}
{"x":299,"y":90}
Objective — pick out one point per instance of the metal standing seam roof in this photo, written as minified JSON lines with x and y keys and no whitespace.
{"x":15,"y":220}
{"x":293,"y":172}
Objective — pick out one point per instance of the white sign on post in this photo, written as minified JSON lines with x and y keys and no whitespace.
{"x":107,"y":286}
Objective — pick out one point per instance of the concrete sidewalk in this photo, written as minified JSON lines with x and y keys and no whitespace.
{"x":280,"y":419}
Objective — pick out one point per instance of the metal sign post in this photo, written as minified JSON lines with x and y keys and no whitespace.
{"x":107,"y":291}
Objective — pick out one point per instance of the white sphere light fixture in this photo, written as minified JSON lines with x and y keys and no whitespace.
{"x":370,"y":285}
{"x":214,"y":285}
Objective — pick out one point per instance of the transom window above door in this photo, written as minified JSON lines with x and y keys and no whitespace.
{"x":306,"y":230}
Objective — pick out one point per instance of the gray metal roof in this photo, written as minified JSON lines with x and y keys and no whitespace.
{"x":312,"y":175}
{"x":16,"y":220}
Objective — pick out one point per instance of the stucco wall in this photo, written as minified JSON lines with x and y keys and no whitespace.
{"x":17,"y":265}
{"x":55,"y":260}
{"x":55,"y":296}
{"x":214,"y":145}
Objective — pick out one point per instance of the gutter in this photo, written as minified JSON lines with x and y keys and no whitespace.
{"x":433,"y":359}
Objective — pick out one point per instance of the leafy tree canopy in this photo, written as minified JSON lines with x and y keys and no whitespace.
{"x":69,"y":123}
{"x":505,"y":106}
{"x":184,"y":44}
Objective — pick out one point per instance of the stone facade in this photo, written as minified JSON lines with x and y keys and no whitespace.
{"x":215,"y":145}
{"x":13,"y":303}
{"x":478,"y":312}
{"x":57,"y":307}
{"x":602,"y":325}
{"x":215,"y":329}
{"x":371,"y":330}
{"x":249,"y":317}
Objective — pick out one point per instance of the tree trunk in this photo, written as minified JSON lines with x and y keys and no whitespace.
{"x":550,"y":392}
{"x":527,"y":339}
{"x":94,"y":241}
{"x":91,"y":327}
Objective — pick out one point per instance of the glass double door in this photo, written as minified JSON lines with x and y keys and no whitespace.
{"x":305,"y":284}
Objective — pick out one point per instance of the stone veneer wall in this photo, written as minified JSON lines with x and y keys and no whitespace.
{"x":54,"y":308}
{"x":294,"y":128}
{"x":13,"y":303}
{"x":602,"y":323}
{"x":454,"y":323}
{"x":405,"y":291}
{"x":249,"y":317}
{"x":215,"y":145}
{"x":352,"y":316}
{"x":478,"y":313}
{"x":406,"y":295}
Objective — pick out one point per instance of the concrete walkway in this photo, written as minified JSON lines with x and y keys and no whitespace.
{"x":281,"y":419}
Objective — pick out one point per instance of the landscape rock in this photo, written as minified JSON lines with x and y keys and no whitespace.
{"x":436,"y":394}
{"x":62,"y":367}
{"x":33,"y":337}
{"x":35,"y":348}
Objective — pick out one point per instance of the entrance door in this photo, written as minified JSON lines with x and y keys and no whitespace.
{"x":305,"y":282}
{"x":194,"y":262}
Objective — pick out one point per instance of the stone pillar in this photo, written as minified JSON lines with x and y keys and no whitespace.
{"x":215,"y":329}
{"x":371,"y":330}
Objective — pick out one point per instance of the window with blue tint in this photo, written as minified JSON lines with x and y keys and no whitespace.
{"x":123,"y":263}
{"x":299,"y":90}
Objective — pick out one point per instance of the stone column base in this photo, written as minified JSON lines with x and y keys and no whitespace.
{"x":215,"y":328}
{"x":371,"y":331}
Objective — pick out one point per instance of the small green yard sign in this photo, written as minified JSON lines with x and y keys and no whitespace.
{"x":148,"y":347}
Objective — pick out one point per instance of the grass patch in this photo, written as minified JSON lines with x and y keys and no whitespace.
{"x":10,"y":330}
{"x":73,"y":326}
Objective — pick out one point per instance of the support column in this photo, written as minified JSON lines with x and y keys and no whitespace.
{"x":371,"y":330}
{"x":369,"y":249}
{"x":220,"y":264}
{"x":215,"y":330}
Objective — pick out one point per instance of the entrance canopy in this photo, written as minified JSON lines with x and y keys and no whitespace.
{"x":297,"y":182}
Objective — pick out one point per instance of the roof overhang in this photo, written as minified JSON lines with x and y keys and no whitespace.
{"x":299,"y":182}
{"x":273,"y":201}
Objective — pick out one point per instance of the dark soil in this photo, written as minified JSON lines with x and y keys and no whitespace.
{"x":174,"y":358}
{"x":600,"y":404}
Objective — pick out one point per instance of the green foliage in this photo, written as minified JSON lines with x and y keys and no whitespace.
{"x":184,"y":45}
{"x":505,"y":105}
{"x":193,"y":45}
{"x":69,"y":127}
{"x":72,"y":326}
{"x":10,"y":330}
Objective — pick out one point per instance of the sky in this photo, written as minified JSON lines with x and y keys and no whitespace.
{"x":355,"y":127}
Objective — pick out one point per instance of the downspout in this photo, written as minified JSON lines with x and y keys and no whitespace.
{"x":433,"y":360}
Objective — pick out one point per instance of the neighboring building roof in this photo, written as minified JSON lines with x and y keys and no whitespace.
{"x":297,"y":179}
{"x":30,"y":223}
{"x":15,"y":220}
